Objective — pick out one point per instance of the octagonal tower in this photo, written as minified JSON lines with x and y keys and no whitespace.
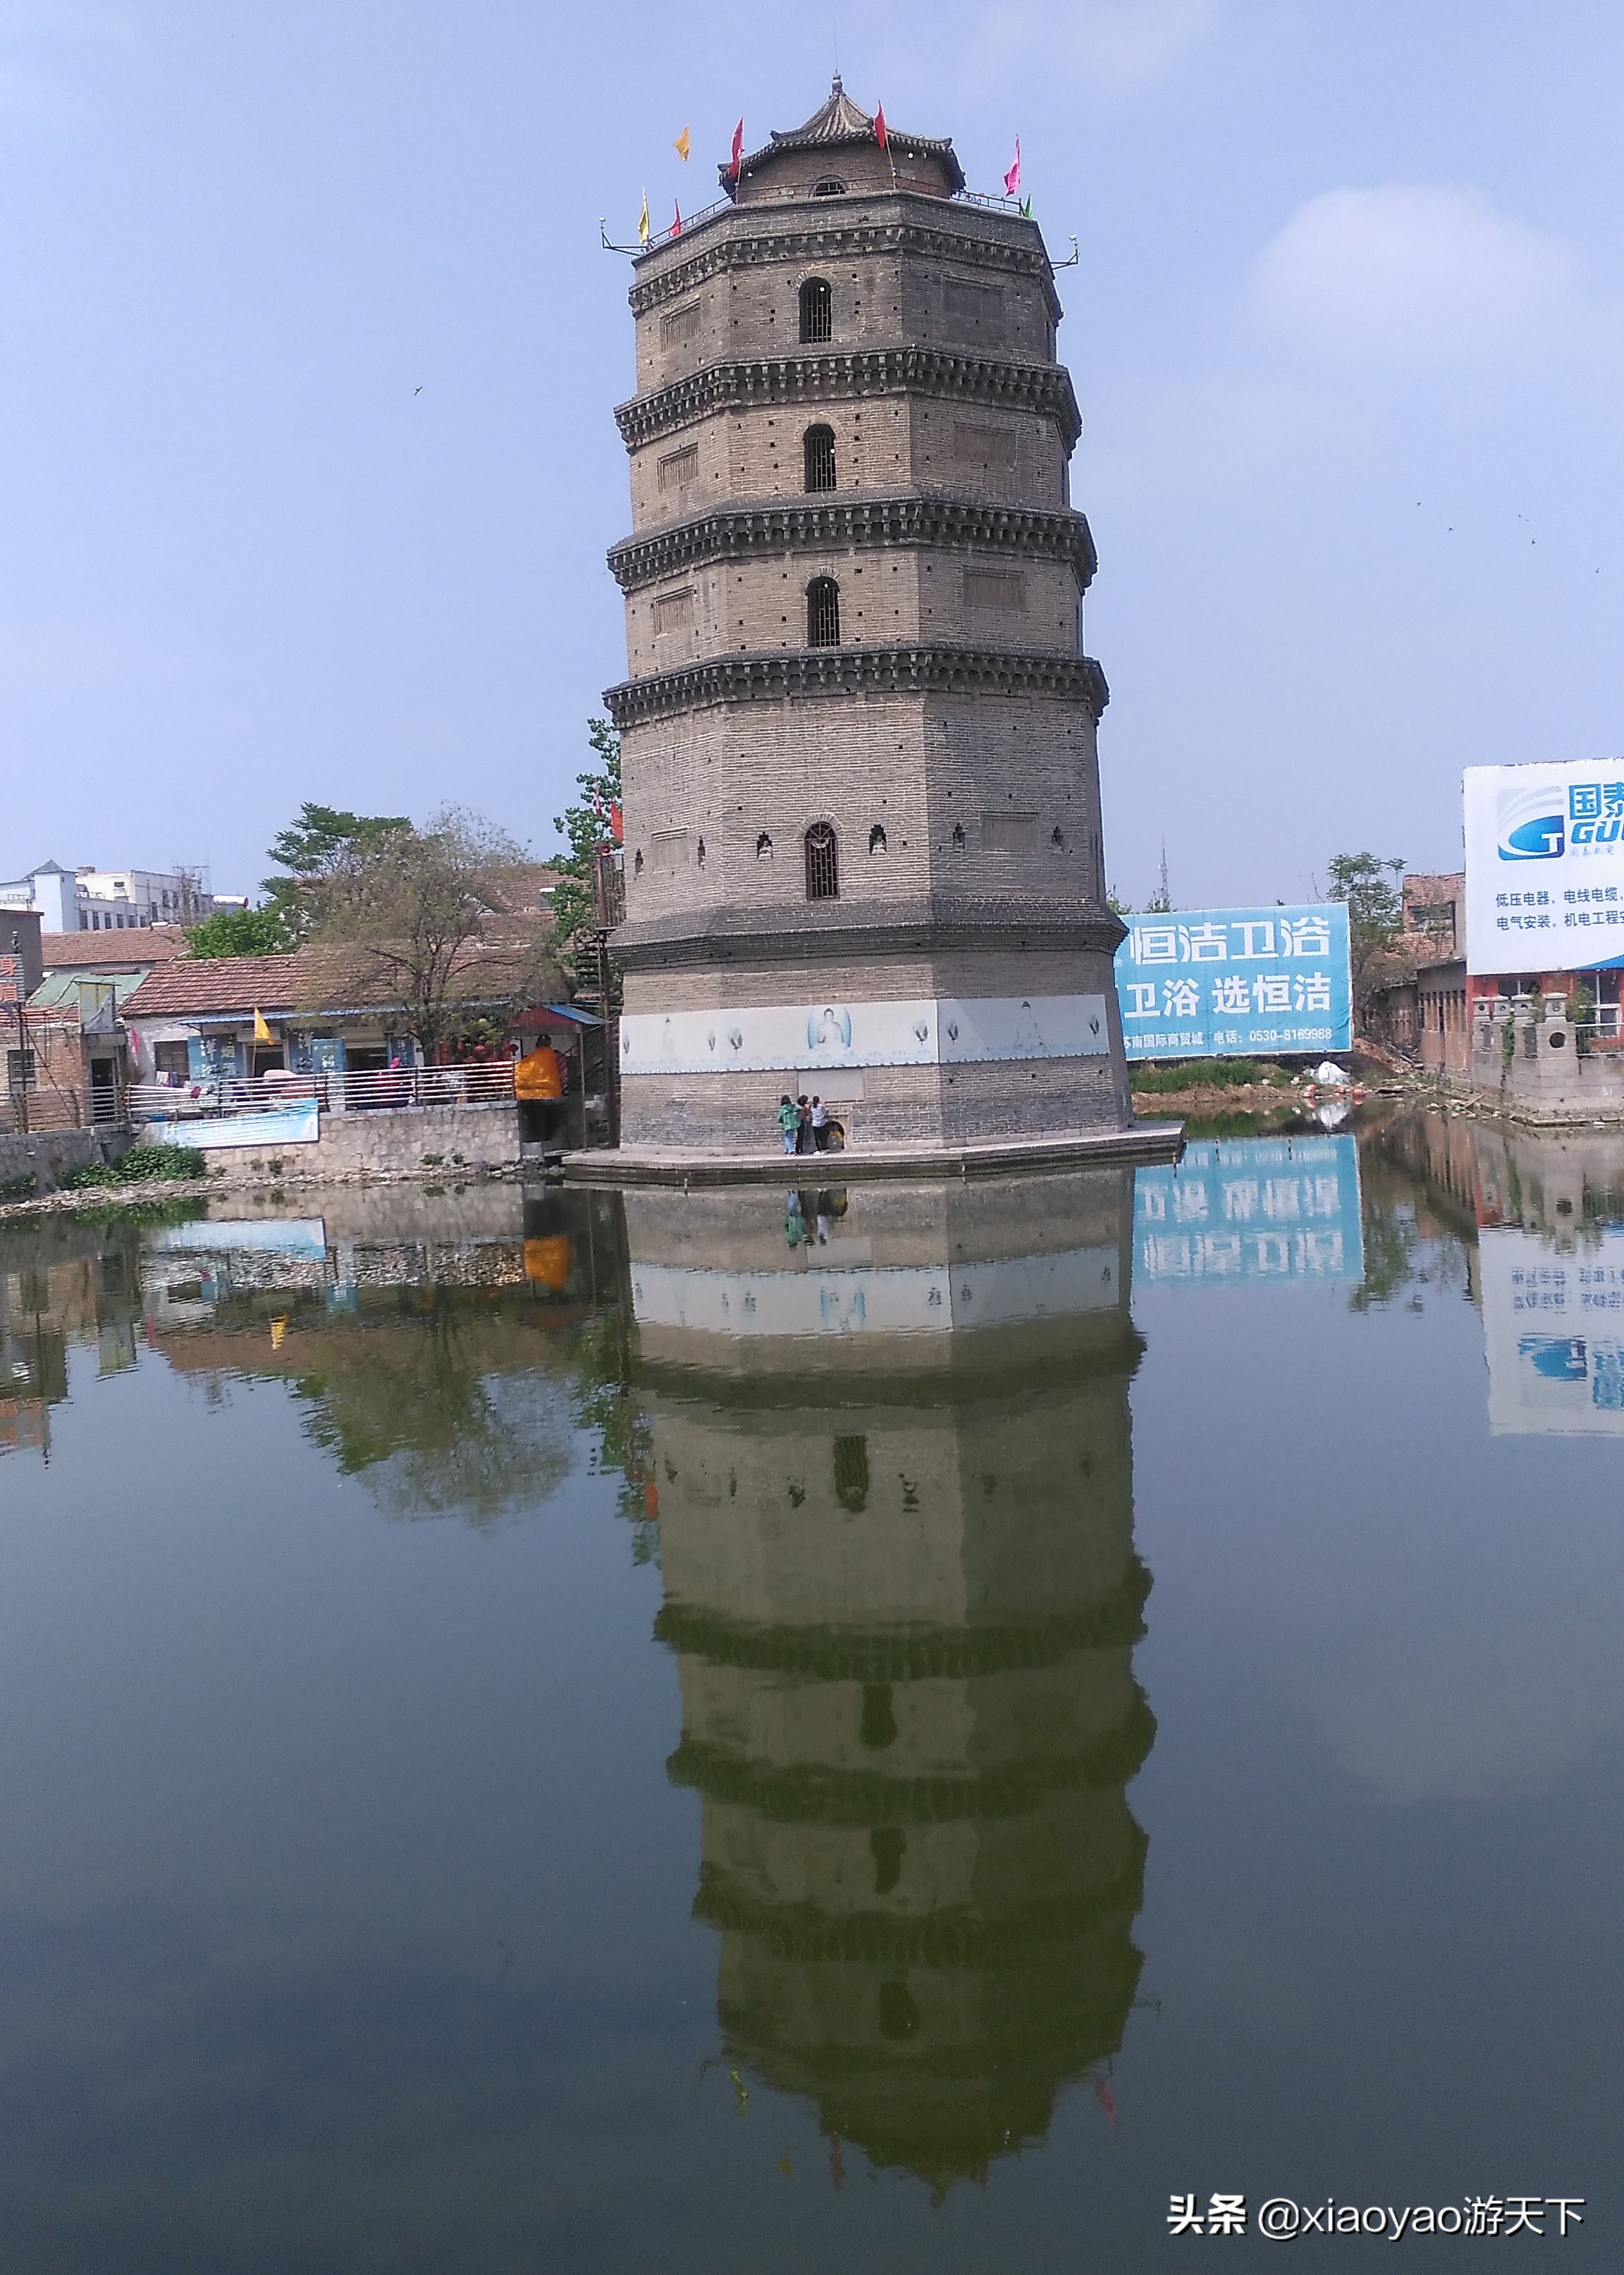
{"x":862,"y":803}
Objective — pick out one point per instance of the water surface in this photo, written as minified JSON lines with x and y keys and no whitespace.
{"x":888,"y":1728}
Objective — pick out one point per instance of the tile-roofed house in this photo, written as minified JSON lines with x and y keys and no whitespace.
{"x":134,"y":950}
{"x":331,"y":1007}
{"x":204,"y":986}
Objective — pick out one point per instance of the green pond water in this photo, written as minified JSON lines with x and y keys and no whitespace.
{"x":874,"y":1728}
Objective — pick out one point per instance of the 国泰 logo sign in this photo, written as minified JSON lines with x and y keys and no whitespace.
{"x":1596,"y":810}
{"x":1530,"y":823}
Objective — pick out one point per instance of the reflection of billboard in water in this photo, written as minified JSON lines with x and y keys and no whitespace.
{"x":1277,"y":1209}
{"x":1553,"y":1322}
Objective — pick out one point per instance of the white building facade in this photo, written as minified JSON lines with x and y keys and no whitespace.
{"x":109,"y":900}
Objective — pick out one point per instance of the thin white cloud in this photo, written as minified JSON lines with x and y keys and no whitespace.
{"x":1423,"y":271}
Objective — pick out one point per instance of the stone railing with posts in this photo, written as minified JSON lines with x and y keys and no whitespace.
{"x":484,"y":1082}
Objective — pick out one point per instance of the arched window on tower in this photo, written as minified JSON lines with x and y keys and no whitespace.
{"x":877,"y":838}
{"x":819,"y":444}
{"x":823,"y":613}
{"x":823,"y":864}
{"x":817,"y":314}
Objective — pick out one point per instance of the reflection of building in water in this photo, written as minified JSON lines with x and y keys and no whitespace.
{"x":61,"y":1284}
{"x":432,"y":1339}
{"x":891,"y":1444}
{"x":1551,"y":1266}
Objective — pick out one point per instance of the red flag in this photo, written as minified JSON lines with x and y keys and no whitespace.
{"x":879,"y":125}
{"x":738,"y":149}
{"x":1012,"y":179}
{"x":617,"y":822}
{"x":677,"y":224}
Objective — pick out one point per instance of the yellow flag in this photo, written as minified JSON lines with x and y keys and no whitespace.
{"x":643,"y":221}
{"x":681,"y":146}
{"x":261,"y":1032}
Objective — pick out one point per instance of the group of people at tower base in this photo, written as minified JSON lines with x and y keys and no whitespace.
{"x":807,"y":1126}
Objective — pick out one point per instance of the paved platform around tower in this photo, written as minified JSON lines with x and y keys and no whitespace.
{"x":1146,"y":1141}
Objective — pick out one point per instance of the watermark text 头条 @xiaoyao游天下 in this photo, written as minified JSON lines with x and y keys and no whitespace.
{"x":1282,"y":2217}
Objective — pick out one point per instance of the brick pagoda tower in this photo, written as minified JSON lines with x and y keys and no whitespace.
{"x":862,"y":805}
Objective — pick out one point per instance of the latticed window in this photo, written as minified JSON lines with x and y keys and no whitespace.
{"x":823,"y":864}
{"x":823,"y":613}
{"x":817,"y":314}
{"x":819,"y":448}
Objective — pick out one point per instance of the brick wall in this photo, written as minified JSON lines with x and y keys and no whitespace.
{"x":1008,"y":774}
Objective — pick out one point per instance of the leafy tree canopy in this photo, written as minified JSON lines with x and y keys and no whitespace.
{"x":1375,"y":921}
{"x":585,"y":826}
{"x":242,"y":932}
{"x":436,"y":920}
{"x":1371,"y":889}
{"x":323,"y":846}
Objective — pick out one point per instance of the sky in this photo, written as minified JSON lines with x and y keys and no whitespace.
{"x":309,"y":352}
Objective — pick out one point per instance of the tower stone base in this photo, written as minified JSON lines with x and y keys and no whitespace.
{"x":944,"y":1047}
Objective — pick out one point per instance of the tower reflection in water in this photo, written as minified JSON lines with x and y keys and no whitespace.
{"x":892,"y":1449}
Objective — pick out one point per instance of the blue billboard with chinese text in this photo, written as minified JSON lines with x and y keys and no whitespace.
{"x":1229,"y":983}
{"x":1281,"y":1210}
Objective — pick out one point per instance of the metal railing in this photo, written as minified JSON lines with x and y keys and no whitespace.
{"x":480,"y":1083}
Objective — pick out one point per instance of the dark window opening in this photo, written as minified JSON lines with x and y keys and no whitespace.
{"x":958,"y":836}
{"x":823,"y":884}
{"x":764,"y":847}
{"x":637,"y":865}
{"x":831,"y":186}
{"x":899,"y":2017}
{"x":888,"y":1847}
{"x":851,"y":1473}
{"x":817,"y":314}
{"x":700,"y":857}
{"x":877,"y":1729}
{"x":823,"y":613}
{"x":877,"y":839}
{"x":819,"y":448}
{"x":1058,"y":841}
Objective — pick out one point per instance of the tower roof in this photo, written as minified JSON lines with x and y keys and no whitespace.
{"x":838,"y":124}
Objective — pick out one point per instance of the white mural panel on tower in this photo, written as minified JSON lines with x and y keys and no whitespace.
{"x":785,"y":1038}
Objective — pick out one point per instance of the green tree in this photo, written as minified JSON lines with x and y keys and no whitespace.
{"x":1375,"y":922}
{"x":320,"y":851}
{"x":433,"y":922}
{"x":585,"y":826}
{"x":242,"y":932}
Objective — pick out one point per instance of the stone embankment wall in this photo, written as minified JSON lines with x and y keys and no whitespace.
{"x":395,"y":1142}
{"x":49,"y":1157}
{"x":1545,"y":1076}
